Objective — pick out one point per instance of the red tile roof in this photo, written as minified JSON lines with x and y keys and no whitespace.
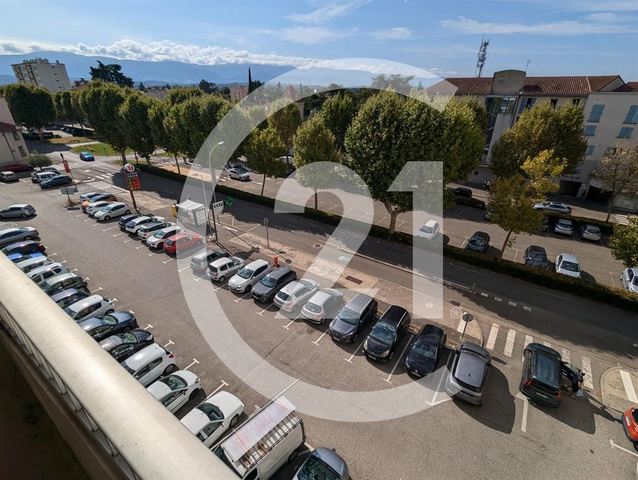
{"x":628,"y":87}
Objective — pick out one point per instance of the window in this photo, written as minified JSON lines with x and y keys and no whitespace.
{"x":590,"y":130}
{"x":526,"y":103}
{"x":596,"y":113}
{"x":625,"y":132}
{"x":575,"y":102}
{"x":507,"y":104}
{"x":632,"y":115}
{"x":590,"y":150}
{"x":553,"y":102}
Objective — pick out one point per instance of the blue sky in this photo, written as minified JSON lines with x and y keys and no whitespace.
{"x":558,"y":37}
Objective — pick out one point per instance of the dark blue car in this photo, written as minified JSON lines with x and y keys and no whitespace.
{"x":18,"y":257}
{"x":424,"y":353}
{"x":24,"y":248}
{"x":102,"y":327}
{"x":57,"y":181}
{"x":86,"y":156}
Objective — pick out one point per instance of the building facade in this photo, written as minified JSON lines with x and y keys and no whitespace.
{"x":40,"y":73}
{"x":12,"y":146}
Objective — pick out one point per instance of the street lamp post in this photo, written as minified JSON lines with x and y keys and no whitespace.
{"x":206,"y":203}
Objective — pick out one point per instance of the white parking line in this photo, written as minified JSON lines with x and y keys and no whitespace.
{"x":528,"y":339}
{"x":107,"y":229}
{"x":262,"y":312}
{"x":96,"y":290}
{"x":525,"y":411}
{"x":194,"y":362}
{"x":349,"y":360}
{"x":166,"y":261}
{"x":316,"y":342}
{"x":586,"y":368}
{"x":170,"y":342}
{"x":242,"y":298}
{"x":509,"y":342}
{"x":222,"y":385}
{"x":491,"y":340}
{"x":498,"y":299}
{"x":118,"y":234}
{"x":407,"y":344}
{"x":148,"y":327}
{"x":611,"y":442}
{"x":629,"y":386}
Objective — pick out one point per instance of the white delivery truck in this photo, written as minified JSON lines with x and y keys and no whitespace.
{"x":265,"y":442}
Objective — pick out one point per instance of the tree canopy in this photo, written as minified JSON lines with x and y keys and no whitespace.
{"x":618,"y":171}
{"x":30,"y":106}
{"x":285,"y":121}
{"x":337,"y":113}
{"x":38,"y":160}
{"x":624,"y":243}
{"x":135,"y":113}
{"x":111,"y":73}
{"x":263,"y":149}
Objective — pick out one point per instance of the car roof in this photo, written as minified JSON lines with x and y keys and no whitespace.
{"x":471,"y":364}
{"x":279,"y":272}
{"x":85,"y":302}
{"x":481,"y":234}
{"x":393,"y":314}
{"x":332,"y":459}
{"x":257,"y":263}
{"x":60,"y":277}
{"x":431,"y":332}
{"x":569,"y":257}
{"x":67,"y":292}
{"x":359,"y":302}
{"x":431,"y":223}
{"x":221,"y":261}
{"x":18,"y":205}
{"x":536,"y":248}
{"x":144,"y":355}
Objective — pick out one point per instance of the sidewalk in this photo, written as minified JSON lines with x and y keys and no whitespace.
{"x":619,"y":388}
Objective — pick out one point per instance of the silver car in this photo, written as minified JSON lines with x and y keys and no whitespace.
{"x":295,"y":294}
{"x":590,"y":232}
{"x":41,"y":274}
{"x":19,"y":210}
{"x":629,"y":278}
{"x":224,"y":268}
{"x":322,"y":306}
{"x":564,"y":227}
{"x":17,"y":234}
{"x":30,"y":263}
{"x":248,"y":276}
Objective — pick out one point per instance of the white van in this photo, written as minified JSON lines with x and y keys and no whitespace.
{"x":264,"y":442}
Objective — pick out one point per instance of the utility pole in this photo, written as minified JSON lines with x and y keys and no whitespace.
{"x":212,"y":181}
{"x":481,"y":57}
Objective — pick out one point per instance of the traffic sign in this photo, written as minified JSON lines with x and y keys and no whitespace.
{"x":129,"y":168}
{"x":69,"y":190}
{"x":218,"y":207}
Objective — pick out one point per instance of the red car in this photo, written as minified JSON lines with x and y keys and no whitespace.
{"x":630,"y":424}
{"x":182,"y":241}
{"x":17,"y":167}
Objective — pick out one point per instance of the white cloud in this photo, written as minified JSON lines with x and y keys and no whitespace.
{"x":333,"y":9}
{"x":396,"y":33}
{"x":567,"y":27}
{"x":311,"y":35}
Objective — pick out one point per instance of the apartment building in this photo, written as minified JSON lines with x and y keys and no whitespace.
{"x":40,"y":73}
{"x":12,"y":146}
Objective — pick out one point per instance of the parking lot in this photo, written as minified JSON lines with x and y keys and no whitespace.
{"x":506,"y":434}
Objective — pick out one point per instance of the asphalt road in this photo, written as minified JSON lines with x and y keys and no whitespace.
{"x":506,"y":438}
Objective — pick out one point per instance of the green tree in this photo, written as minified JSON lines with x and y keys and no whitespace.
{"x":157,"y":117}
{"x":134,"y":112}
{"x":542,"y":127}
{"x":463,"y":139}
{"x":394,"y":82}
{"x":285,"y":121}
{"x":208,"y":87}
{"x":111,"y":73}
{"x":263,"y":149}
{"x":314,"y":142}
{"x":618,"y":172}
{"x":38,"y":160}
{"x":624,"y":243}
{"x":59,"y":108}
{"x":76,"y":107}
{"x":210,"y":110}
{"x":177,"y":130}
{"x":181,"y":94}
{"x":30,"y":106}
{"x":337,"y":114}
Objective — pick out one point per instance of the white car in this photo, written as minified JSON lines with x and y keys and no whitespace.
{"x":224,"y":268}
{"x":43,"y":272}
{"x":92,"y":306}
{"x":295,"y":294}
{"x":564,"y":227}
{"x":149,"y":229}
{"x":429,"y":231}
{"x":554,"y":207}
{"x":629,"y":278}
{"x":157,"y":239}
{"x":93,"y":207}
{"x":176,"y":389}
{"x":567,"y":264}
{"x":209,"y":420}
{"x":136,"y":223}
{"x":248,"y":276}
{"x":590,"y":232}
{"x":239,"y":173}
{"x":150,"y":363}
{"x":322,"y":306}
{"x":30,"y":263}
{"x":112,"y":210}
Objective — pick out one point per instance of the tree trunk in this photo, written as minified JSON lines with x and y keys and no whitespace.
{"x":263,"y":184}
{"x":507,"y":239}
{"x":148,"y":160}
{"x":82,"y":127}
{"x":123,"y":154}
{"x":40,"y":134}
{"x":179,"y":170}
{"x":316,"y":201}
{"x":393,"y":220}
{"x":610,"y":205}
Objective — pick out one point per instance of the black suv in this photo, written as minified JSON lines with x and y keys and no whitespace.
{"x":536,"y":256}
{"x":540,"y":381}
{"x":269,"y":285}
{"x":479,"y":242}
{"x":386,"y":334}
{"x":353,"y":318}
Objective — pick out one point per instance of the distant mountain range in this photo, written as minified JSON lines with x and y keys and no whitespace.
{"x":150,"y":73}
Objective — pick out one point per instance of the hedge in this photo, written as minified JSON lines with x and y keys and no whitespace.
{"x":576,"y":286}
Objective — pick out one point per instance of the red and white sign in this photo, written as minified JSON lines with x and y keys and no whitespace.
{"x":67,"y":169}
{"x":129,"y":168}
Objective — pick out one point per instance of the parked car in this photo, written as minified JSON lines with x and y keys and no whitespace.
{"x":40,"y":274}
{"x":156,"y":240}
{"x":49,"y":170}
{"x":123,"y":345}
{"x":540,"y":380}
{"x":86,"y":156}
{"x":239,"y":173}
{"x":590,"y":232}
{"x":425,"y":350}
{"x":463,"y":192}
{"x":176,"y":389}
{"x":564,"y":227}
{"x":536,"y":256}
{"x":209,"y":420}
{"x":133,"y":225}
{"x":94,"y":207}
{"x":69,"y":296}
{"x":249,"y":275}
{"x":182,"y":242}
{"x":466,"y":380}
{"x":557,"y":207}
{"x":112,"y":210}
{"x":430,"y":230}
{"x":200,"y":261}
{"x":124,"y":219}
{"x":544,"y":225}
{"x":386,"y":334}
{"x":25,"y":247}
{"x":630,"y":424}
{"x":89,"y":196}
{"x":353,"y":318}
{"x":101,"y":327}
{"x":322,"y":306}
{"x":19,"y":210}
{"x":295,"y":294}
{"x":223,"y":268}
{"x":57,"y":181}
{"x":150,"y":363}
{"x":265,"y":290}
{"x":19,"y":257}
{"x":147,"y":230}
{"x":8,"y":177}
{"x":101,"y":197}
{"x":39,"y":177}
{"x":17,"y":167}
{"x":567,"y":264}
{"x":478,"y":242}
{"x":63,"y":281}
{"x":17,"y":234}
{"x":91,"y":306}
{"x":629,"y":279}
{"x":323,"y":463}
{"x":29,"y":264}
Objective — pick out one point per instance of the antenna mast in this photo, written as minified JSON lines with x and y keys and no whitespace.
{"x":481,"y":57}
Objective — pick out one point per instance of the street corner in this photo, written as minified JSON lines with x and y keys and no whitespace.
{"x":618,"y":387}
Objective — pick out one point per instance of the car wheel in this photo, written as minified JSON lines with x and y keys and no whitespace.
{"x":193,"y":394}
{"x":248,"y":288}
{"x":23,"y":215}
{"x":293,"y":455}
{"x":222,"y":278}
{"x":128,"y":212}
{"x":109,"y":312}
{"x":354,"y":339}
{"x":107,"y":217}
{"x":234,"y":421}
{"x":170,"y":369}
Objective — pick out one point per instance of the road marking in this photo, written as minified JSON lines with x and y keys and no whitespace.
{"x":96,"y":290}
{"x":486,"y":295}
{"x":148,"y":327}
{"x":528,"y":340}
{"x":443,"y":377}
{"x":180,"y":270}
{"x":629,"y":386}
{"x":566,"y":355}
{"x":498,"y":299}
{"x":74,"y":270}
{"x":170,"y":342}
{"x":262,"y":312}
{"x":242,"y":298}
{"x":526,"y":308}
{"x":129,"y":240}
{"x":150,"y":254}
{"x":491,"y":340}
{"x":222,"y":385}
{"x":87,"y":279}
{"x":194,"y":362}
{"x":287,"y":326}
{"x":349,"y":360}
{"x":407,"y":344}
{"x":139,"y":246}
{"x":611,"y":442}
{"x":509,"y":342}
{"x":525,"y":411}
{"x":316,"y":342}
{"x":114,"y":299}
{"x":511,"y":304}
{"x":586,"y":368}
{"x":118,"y":234}
{"x":166,"y":261}
{"x":107,"y":229}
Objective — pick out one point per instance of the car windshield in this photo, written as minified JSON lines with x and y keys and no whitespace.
{"x":315,"y":469}
{"x":477,"y":241}
{"x":594,"y":230}
{"x":109,"y":320}
{"x":349,"y":316}
{"x":382,"y":332}
{"x":246,"y":273}
{"x":426,"y":229}
{"x":168,"y":242}
{"x":311,"y":307}
{"x":564,"y":223}
{"x":537,"y":254}
{"x":634,"y":414}
{"x":173,"y":382}
{"x":424,"y":349}
{"x":268,"y":281}
{"x":283,"y":295}
{"x":569,"y":266}
{"x":211,"y":411}
{"x":128,"y":338}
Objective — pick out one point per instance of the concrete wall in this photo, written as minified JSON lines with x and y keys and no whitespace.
{"x":51,"y":76}
{"x":13,"y":149}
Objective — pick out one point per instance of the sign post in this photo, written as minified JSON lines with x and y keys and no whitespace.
{"x":218,"y":208}
{"x":133,"y":181}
